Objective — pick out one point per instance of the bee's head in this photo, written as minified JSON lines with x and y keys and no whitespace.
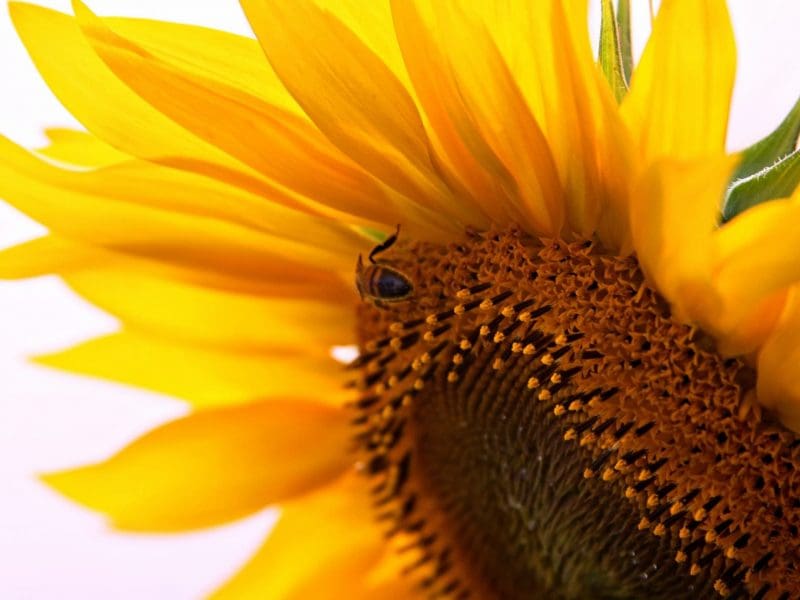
{"x":381,"y":284}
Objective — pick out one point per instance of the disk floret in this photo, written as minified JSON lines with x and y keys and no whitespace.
{"x":536,"y":398}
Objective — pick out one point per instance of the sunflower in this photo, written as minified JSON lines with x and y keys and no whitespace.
{"x":577,"y":316}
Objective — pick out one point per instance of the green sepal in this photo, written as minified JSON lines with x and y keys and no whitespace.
{"x":772,"y":148}
{"x":776,"y":181}
{"x":624,"y":33}
{"x":610,"y":54}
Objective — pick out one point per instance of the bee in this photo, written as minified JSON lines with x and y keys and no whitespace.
{"x":379,"y":282}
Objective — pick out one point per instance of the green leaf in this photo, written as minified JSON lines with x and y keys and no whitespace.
{"x":776,"y":181}
{"x":775,"y":146}
{"x":624,"y":32}
{"x":610,"y":51}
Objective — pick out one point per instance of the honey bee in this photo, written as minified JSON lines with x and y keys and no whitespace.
{"x":380,"y":283}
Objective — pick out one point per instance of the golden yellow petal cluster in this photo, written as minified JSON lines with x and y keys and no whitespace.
{"x":220,"y":195}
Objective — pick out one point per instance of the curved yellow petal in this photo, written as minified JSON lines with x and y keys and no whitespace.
{"x":203,"y":376}
{"x":355,"y":100}
{"x":143,"y":182}
{"x":680,"y":92}
{"x":107,"y":107}
{"x":520,"y":31}
{"x":46,"y":255}
{"x":323,"y":547}
{"x":234,"y":59}
{"x":597,"y":150}
{"x":473,"y":96}
{"x":219,"y":318}
{"x":546,"y":47}
{"x":455,"y":131}
{"x":778,"y":383}
{"x":746,"y":331}
{"x":80,"y":148}
{"x":275,"y":142}
{"x":112,"y":111}
{"x":673,"y":219}
{"x":372,"y":22}
{"x":167,"y":214}
{"x":215,"y":465}
{"x":758,"y":255}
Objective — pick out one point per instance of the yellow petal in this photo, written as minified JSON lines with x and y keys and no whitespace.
{"x":480,"y":172}
{"x":546,"y":47}
{"x":146,"y":183}
{"x":234,"y":59}
{"x":275,"y":142}
{"x":598,"y":151}
{"x":778,"y":383}
{"x":80,"y":148}
{"x":278,"y":277}
{"x":680,"y":93}
{"x":758,"y":255}
{"x":223,"y":319}
{"x":673,"y":219}
{"x":480,"y":115}
{"x":107,"y":107}
{"x":355,"y":100}
{"x":373,"y":24}
{"x":215,"y":466}
{"x":202,"y":376}
{"x":323,"y":548}
{"x":44,"y":256}
{"x":171,"y":215}
{"x":520,"y":31}
{"x":745,"y":332}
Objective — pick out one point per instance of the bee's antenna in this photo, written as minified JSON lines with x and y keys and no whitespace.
{"x":359,"y":271}
{"x":384,"y":245}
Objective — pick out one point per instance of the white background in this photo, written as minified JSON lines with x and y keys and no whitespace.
{"x":49,"y":420}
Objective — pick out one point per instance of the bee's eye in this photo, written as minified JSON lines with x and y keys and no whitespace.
{"x":391,"y":285}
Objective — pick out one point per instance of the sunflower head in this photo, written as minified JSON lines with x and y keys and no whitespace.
{"x":529,"y":396}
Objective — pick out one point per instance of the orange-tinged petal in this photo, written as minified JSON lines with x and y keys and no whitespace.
{"x":609,"y":154}
{"x":680,"y":93}
{"x":475,"y":97}
{"x":215,"y":465}
{"x":597,"y":153}
{"x":167,"y":214}
{"x":323,"y":547}
{"x":455,"y":131}
{"x":546,"y":46}
{"x":355,"y":100}
{"x":202,"y":376}
{"x":778,"y":384}
{"x":80,"y":148}
{"x":223,"y":319}
{"x":673,"y":219}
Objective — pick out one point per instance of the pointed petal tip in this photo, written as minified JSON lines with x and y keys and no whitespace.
{"x":213,"y":466}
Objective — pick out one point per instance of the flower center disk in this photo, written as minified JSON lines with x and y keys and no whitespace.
{"x":535,"y":422}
